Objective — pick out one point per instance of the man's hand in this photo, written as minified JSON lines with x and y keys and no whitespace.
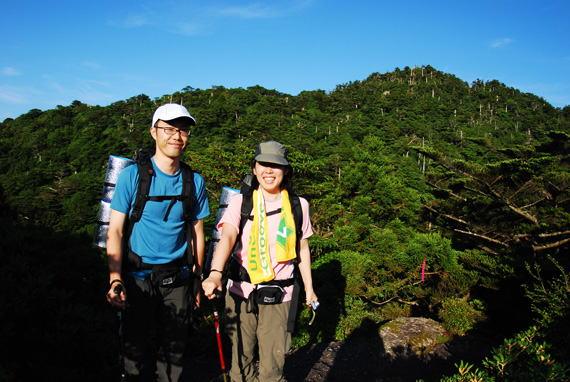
{"x":117,"y":295}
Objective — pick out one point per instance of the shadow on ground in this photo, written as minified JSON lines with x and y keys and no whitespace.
{"x":361,"y":357}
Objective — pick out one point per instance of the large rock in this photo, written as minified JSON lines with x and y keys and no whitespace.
{"x":416,"y":337}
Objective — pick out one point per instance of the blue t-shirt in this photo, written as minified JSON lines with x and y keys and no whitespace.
{"x":155,"y":240}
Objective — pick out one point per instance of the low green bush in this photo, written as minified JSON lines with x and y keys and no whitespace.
{"x":459,"y":316}
{"x":522,"y":358}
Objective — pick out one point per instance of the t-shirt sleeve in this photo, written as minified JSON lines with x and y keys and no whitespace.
{"x":125,"y":190}
{"x":202,"y":207}
{"x":307,"y":227}
{"x":232,"y":214}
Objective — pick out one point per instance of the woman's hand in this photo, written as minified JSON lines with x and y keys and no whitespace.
{"x":212,"y":286}
{"x":310,"y":297}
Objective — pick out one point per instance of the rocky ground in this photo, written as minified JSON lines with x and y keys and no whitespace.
{"x":362,"y":357}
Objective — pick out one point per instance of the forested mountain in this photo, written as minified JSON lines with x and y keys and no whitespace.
{"x":404,"y":168}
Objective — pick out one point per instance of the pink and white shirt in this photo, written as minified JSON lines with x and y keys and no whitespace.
{"x":284,"y":270}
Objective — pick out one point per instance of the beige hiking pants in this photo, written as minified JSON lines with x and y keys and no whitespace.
{"x":267,"y":330}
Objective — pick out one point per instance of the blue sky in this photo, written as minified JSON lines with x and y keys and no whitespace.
{"x":101,"y":51}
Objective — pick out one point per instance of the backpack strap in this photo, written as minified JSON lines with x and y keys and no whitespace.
{"x":188,"y":198}
{"x":146,"y":172}
{"x":297,"y":211}
{"x":188,"y":192}
{"x":245,"y":215}
{"x":298,"y":218}
{"x":239,"y":273}
{"x":245,"y":212}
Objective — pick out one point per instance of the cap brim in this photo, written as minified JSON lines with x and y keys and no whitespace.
{"x":190,"y":119}
{"x":272,"y":158}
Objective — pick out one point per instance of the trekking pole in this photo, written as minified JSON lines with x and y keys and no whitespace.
{"x":219,"y":341}
{"x":118,"y":289}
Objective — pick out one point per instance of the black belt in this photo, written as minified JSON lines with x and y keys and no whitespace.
{"x":135,"y":261}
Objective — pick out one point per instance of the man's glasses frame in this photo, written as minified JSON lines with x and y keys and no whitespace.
{"x":170,"y":131}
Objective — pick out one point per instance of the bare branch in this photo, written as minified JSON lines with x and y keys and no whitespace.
{"x":488,"y":250}
{"x":557,"y":244}
{"x":554,"y":234}
{"x":488,"y":188}
{"x":521,"y":188}
{"x":500,"y":177}
{"x":407,"y":302}
{"x":542,"y":235}
{"x":478,"y":192}
{"x":380,"y":303}
{"x":446,"y":190}
{"x":533,"y":203}
{"x":486,"y":238}
{"x":449,"y":217}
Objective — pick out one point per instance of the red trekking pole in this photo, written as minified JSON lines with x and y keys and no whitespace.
{"x":219,"y":340}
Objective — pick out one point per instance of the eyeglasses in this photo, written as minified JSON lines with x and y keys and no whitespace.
{"x":173,"y":130}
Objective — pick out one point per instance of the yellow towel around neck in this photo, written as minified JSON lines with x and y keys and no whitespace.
{"x":259,"y":265}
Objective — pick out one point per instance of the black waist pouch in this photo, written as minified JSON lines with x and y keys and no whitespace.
{"x":269,"y":294}
{"x":172,"y":278}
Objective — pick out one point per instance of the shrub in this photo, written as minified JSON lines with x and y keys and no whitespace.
{"x":394,"y":310}
{"x":459,"y":316}
{"x":522,"y":358}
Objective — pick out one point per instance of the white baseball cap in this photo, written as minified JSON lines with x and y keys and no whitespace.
{"x":171,"y":111}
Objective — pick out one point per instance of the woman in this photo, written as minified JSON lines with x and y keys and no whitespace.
{"x":266,"y":257}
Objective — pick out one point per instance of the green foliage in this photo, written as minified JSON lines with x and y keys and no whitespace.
{"x":398,"y":167}
{"x":392,"y":311}
{"x":356,"y":312}
{"x":468,"y":373}
{"x":354,"y":269}
{"x":459,"y":316}
{"x":549,"y":296}
{"x":522,"y":358}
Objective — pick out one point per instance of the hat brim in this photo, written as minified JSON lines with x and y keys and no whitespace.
{"x":191,"y":120}
{"x":272,"y":158}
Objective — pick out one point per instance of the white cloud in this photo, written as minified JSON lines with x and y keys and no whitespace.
{"x":188,"y":29}
{"x":249,"y":11}
{"x":53,"y":85}
{"x":191,"y":19}
{"x":261,"y":10}
{"x":501,"y":42}
{"x":13,"y":95}
{"x":9,"y":71}
{"x":84,"y":90}
{"x":135,"y":21}
{"x":91,"y":65}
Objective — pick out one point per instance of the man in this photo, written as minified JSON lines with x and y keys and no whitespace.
{"x":155,"y":290}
